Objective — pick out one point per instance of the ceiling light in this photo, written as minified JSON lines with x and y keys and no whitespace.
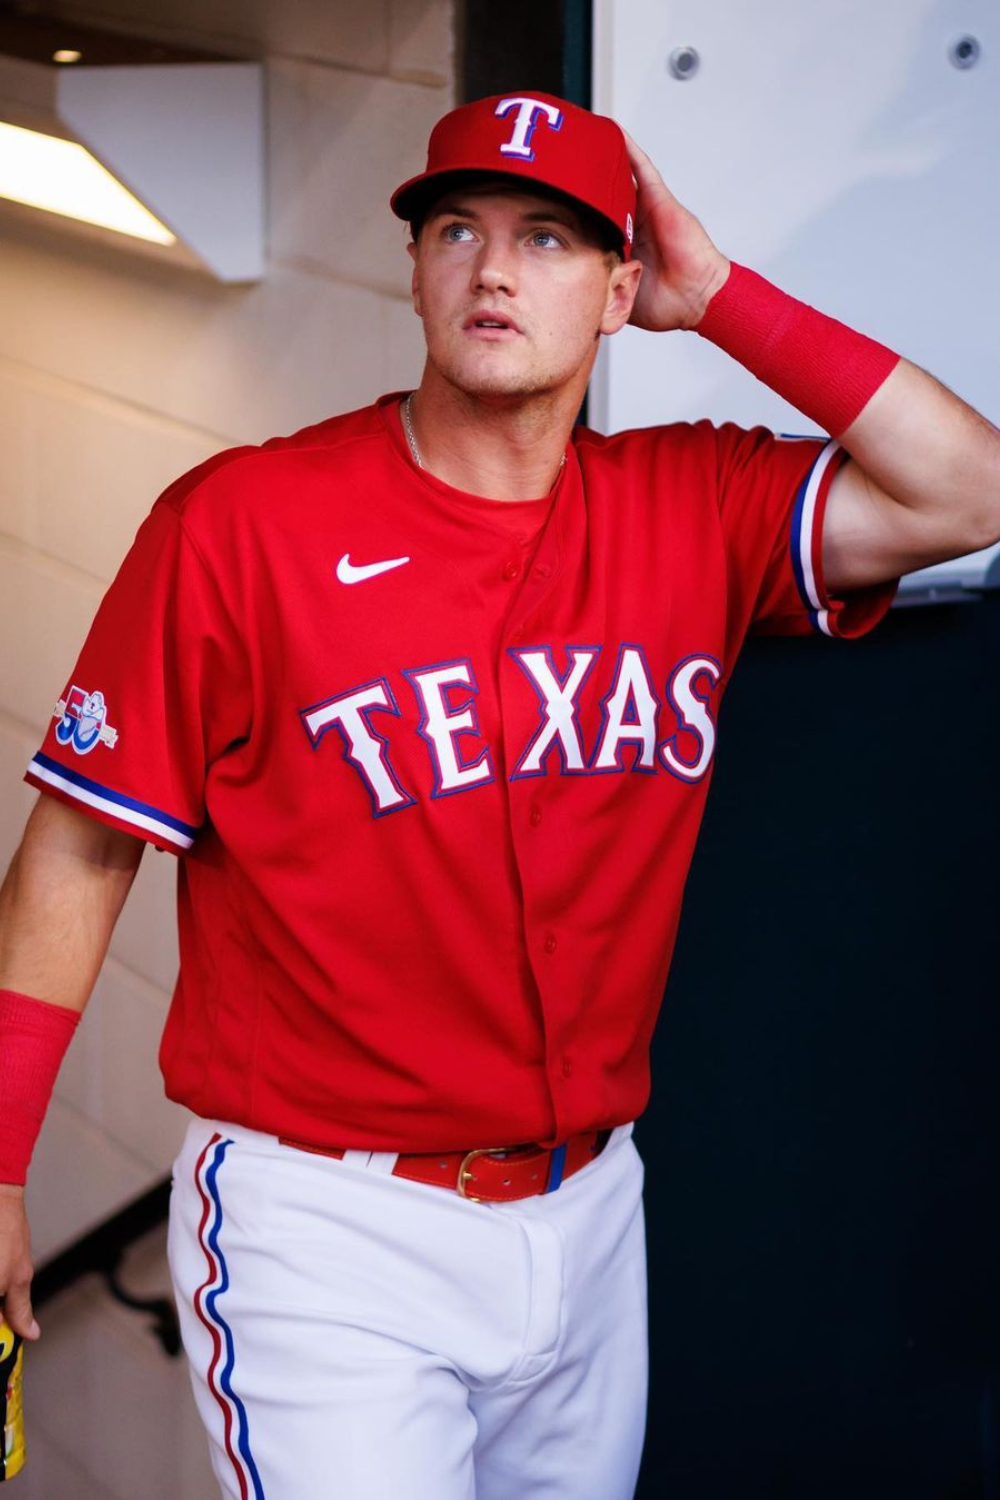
{"x":62,"y":177}
{"x":138,"y":144}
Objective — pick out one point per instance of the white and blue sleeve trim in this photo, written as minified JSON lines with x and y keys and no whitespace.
{"x":807,"y":537}
{"x":148,"y":822}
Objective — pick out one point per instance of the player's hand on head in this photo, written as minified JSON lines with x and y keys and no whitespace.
{"x":15,"y":1263}
{"x":682,"y":269}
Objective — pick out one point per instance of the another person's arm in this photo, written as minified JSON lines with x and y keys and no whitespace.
{"x":59,"y":903}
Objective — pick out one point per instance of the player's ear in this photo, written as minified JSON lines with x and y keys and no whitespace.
{"x":623,"y":284}
{"x":411,"y":250}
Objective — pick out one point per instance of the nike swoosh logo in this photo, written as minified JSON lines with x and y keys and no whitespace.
{"x":348,"y":572}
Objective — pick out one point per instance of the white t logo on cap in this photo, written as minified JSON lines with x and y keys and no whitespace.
{"x":529,"y":112}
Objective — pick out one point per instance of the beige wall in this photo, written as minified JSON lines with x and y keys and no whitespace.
{"x":115,"y":376}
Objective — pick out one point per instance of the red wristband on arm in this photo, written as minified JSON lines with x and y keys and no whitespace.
{"x":822,"y":367}
{"x":34,"y":1036}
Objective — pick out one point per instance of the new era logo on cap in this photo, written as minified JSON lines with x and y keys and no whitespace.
{"x":536,"y":137}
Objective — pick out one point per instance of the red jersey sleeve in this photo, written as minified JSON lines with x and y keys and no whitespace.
{"x":160,"y":689}
{"x":772,"y":498}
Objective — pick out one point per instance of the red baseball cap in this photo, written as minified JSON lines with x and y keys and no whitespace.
{"x":537,"y":137}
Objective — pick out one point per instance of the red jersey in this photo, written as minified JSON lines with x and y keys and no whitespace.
{"x":435,"y":764}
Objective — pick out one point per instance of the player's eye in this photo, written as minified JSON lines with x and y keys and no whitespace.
{"x":543,"y":238}
{"x":457,"y":233}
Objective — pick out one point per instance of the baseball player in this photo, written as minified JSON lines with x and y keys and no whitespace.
{"x":425,"y":697}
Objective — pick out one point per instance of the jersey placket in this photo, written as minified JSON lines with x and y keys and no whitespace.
{"x":547,"y":933}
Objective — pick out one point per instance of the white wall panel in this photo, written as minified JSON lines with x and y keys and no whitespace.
{"x":17,"y":745}
{"x":45,"y":612}
{"x":80,"y":471}
{"x":133,"y":1106}
{"x":79,"y":1177}
{"x":312,"y":175}
{"x":111,"y":1074}
{"x":247,"y":362}
{"x":421,"y":41}
{"x":837,"y":150}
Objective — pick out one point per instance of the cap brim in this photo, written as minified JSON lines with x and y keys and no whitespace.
{"x":412,"y":199}
{"x":414,"y":196}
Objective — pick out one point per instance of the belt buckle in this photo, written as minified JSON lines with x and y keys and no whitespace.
{"x":464,"y":1172}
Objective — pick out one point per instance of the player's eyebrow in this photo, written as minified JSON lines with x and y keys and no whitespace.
{"x":450,"y":209}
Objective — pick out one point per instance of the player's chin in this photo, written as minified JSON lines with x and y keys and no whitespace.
{"x":512,"y":389}
{"x":487,"y":380}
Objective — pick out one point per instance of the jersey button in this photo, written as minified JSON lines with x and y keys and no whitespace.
{"x":543,"y":570}
{"x":567,"y":1067}
{"x":550,"y":944}
{"x":535,"y":816}
{"x":511,"y":569}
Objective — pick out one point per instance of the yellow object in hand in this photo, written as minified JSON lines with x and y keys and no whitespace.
{"x":11,"y":1403}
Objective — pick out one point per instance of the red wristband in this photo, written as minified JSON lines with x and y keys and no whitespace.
{"x":34,"y":1036}
{"x":822,"y":367}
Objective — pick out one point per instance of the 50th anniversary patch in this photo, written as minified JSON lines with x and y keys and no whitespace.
{"x":83,"y":721}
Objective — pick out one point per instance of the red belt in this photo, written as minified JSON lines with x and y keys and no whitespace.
{"x":491,"y":1174}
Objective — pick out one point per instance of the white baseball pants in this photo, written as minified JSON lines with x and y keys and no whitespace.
{"x":355,"y":1336}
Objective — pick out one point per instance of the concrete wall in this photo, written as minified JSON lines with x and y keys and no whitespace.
{"x":116,"y":375}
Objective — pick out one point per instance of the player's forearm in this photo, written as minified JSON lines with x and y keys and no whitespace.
{"x":930,"y":464}
{"x":934,"y":454}
{"x":58,"y":907}
{"x":59,"y":903}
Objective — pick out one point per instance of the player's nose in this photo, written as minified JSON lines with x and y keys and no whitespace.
{"x":495,"y":268}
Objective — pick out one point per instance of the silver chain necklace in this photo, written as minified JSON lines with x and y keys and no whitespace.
{"x":408,"y":429}
{"x":411,"y":440}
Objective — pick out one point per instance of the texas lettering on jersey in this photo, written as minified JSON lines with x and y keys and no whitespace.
{"x":678,"y":734}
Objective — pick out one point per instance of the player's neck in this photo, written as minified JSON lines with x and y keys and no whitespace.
{"x":498,"y":448}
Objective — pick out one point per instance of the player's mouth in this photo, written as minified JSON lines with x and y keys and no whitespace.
{"x":488,"y":325}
